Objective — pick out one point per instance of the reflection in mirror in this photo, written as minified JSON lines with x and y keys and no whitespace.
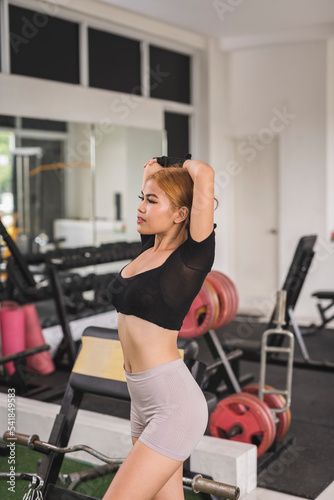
{"x":75,"y":227}
{"x":120,"y":156}
{"x":63,"y":192}
{"x":59,"y":189}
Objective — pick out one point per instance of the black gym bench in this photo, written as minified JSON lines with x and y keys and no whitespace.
{"x":324,"y":296}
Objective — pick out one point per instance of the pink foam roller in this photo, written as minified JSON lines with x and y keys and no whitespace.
{"x":12,"y":333}
{"x":41,"y":362}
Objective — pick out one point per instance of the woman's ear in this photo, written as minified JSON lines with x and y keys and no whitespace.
{"x":182,"y":214}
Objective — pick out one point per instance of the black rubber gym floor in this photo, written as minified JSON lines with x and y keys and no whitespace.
{"x":306,"y":467}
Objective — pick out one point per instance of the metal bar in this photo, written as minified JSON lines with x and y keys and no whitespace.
{"x":23,"y":354}
{"x":202,"y":485}
{"x":67,"y":343}
{"x":277,"y":349}
{"x":298,"y":335}
{"x":5,"y":37}
{"x":19,"y":193}
{"x":93,"y":174}
{"x":280,"y":308}
{"x":231,"y":356}
{"x":17,"y":255}
{"x":33,"y":442}
{"x":226,"y":363}
{"x":275,"y":391}
{"x":198,"y":483}
{"x":26,"y":190}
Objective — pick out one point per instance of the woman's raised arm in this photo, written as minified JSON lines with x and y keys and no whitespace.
{"x":150,"y":168}
{"x":201,"y":216}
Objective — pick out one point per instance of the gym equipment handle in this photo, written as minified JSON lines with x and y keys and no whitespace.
{"x":22,"y":439}
{"x":24,"y":354}
{"x":280,"y":308}
{"x":200,"y":484}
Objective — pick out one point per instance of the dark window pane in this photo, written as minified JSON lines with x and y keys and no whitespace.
{"x":43,"y":46}
{"x":35,"y":124}
{"x":177,"y":127}
{"x":114,"y":62}
{"x":169,"y":75}
{"x":7,"y":121}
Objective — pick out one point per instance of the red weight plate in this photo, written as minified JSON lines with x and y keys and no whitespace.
{"x":267,"y":414}
{"x":215,"y":299}
{"x":224,"y":286}
{"x":223,"y":299}
{"x":191,"y":327}
{"x":273,"y":401}
{"x":235,"y":296}
{"x":232,"y":291}
{"x":248,"y":414}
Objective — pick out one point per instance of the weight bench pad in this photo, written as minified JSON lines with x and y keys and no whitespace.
{"x":98,"y":368}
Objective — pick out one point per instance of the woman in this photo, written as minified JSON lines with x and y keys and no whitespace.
{"x":153,"y":294}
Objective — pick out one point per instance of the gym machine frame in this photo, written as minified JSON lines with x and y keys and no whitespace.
{"x":293,"y":284}
{"x":227,"y":422}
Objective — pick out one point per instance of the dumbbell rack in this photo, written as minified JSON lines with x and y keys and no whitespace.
{"x":23,"y":281}
{"x":78,"y":258}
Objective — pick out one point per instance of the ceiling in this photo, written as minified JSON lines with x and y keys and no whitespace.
{"x":236,"y":18}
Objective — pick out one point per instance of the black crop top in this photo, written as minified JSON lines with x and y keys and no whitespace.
{"x":163,"y":295}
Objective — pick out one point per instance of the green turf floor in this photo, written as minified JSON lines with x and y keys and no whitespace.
{"x":26,"y":461}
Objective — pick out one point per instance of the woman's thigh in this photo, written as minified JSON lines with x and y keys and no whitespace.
{"x":174,"y":486}
{"x":144,"y":474}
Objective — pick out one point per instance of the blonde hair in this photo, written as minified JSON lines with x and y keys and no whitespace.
{"x":178,"y":187}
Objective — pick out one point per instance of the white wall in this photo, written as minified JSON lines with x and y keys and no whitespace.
{"x":264,"y":82}
{"x":78,"y":176}
{"x":111,"y":175}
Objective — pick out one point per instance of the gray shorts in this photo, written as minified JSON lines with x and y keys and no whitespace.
{"x":169,"y":412}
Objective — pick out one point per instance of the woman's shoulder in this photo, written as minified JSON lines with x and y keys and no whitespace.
{"x":199,"y":255}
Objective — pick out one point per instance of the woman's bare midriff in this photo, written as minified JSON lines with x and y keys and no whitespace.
{"x":144,"y":344}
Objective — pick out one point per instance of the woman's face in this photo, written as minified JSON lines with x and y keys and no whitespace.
{"x":155,"y":213}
